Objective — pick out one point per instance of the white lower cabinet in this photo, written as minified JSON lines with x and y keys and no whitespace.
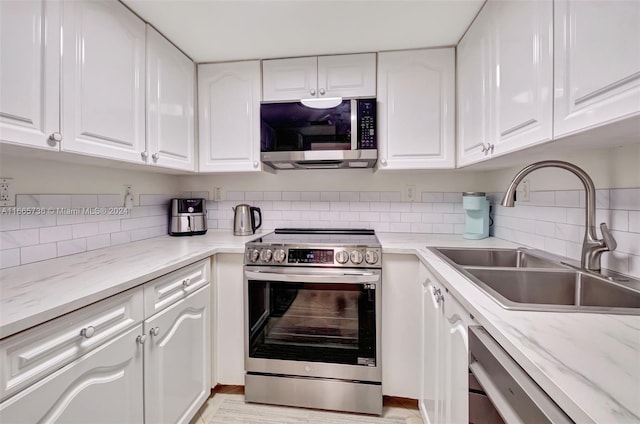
{"x":104,"y":386}
{"x":229,"y":320}
{"x":177,"y":360}
{"x":400,"y":326}
{"x":140,"y":356}
{"x":444,"y":370}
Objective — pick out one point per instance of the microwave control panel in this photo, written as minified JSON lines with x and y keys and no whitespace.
{"x":367,"y":123}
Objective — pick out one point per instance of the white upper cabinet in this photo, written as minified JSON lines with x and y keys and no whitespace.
{"x":505,"y":78}
{"x":416,"y":112}
{"x":103,"y":68}
{"x":229,"y":117}
{"x":475,"y":73}
{"x":523,"y":64}
{"x":597,"y":63}
{"x":351,"y":75}
{"x":29,"y":72}
{"x":170,"y":104}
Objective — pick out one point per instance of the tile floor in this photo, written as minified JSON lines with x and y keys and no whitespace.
{"x":398,"y":407}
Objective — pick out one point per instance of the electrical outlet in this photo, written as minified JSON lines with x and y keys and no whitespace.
{"x":7,"y":192}
{"x":218,"y":194}
{"x":525,"y":192}
{"x":409,"y":193}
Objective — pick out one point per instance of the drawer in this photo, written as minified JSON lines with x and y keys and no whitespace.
{"x":31,"y":355}
{"x":165,"y":290}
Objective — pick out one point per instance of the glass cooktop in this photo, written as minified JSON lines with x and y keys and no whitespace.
{"x":333,"y":236}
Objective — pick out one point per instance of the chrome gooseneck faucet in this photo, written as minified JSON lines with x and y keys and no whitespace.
{"x":592,"y":247}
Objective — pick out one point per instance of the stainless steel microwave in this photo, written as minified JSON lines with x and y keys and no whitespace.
{"x":295,"y":136}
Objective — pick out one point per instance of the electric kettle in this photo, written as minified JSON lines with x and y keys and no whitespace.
{"x":244,"y":220}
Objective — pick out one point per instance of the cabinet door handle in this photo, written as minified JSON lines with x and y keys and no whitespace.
{"x":155,"y":331}
{"x":485,"y":148}
{"x":186,"y":282}
{"x":312,"y":91}
{"x":141,"y":339}
{"x":322,"y":92}
{"x":155,"y":156}
{"x":383,"y":161}
{"x":491,"y":146}
{"x":255,"y":163}
{"x":144,"y":155}
{"x":88,"y":332}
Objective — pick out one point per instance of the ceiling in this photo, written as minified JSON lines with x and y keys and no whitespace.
{"x":224,"y":30}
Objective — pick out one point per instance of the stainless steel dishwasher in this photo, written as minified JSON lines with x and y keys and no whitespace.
{"x":516,"y":397}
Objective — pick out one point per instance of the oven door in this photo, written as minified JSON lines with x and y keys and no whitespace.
{"x":313,"y":322}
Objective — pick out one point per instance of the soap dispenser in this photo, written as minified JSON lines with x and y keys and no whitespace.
{"x":476,"y":219}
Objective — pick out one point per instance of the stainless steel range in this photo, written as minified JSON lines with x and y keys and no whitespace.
{"x":312,"y":301}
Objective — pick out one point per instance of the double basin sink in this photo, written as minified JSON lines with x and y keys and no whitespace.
{"x":527,"y":279}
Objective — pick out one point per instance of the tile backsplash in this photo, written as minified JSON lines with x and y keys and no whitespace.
{"x":48,"y":226}
{"x":551,"y":220}
{"x":554,"y":221}
{"x":382,"y":211}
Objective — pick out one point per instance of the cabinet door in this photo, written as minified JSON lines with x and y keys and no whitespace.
{"x":350,"y":75}
{"x":597,"y":63}
{"x":103,"y":386}
{"x":474,"y":90}
{"x":431,"y":375}
{"x":455,"y":366}
{"x":289,"y":79}
{"x":177,"y":360}
{"x":523,"y":85}
{"x":170,"y":104}
{"x":416,"y":92}
{"x":229,"y":111}
{"x":103,"y":96}
{"x":401,"y":326}
{"x":29,"y":72}
{"x":229,"y":320}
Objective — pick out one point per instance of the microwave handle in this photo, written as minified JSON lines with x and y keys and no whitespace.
{"x":354,"y":124}
{"x":347,"y":277}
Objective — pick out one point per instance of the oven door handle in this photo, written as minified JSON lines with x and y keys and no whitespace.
{"x":321,"y":277}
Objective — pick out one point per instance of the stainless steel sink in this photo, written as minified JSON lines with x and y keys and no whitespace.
{"x":554,"y":290}
{"x":516,"y":258}
{"x":527,"y":279}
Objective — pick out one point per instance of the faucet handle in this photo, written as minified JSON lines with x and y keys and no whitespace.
{"x":609,"y":241}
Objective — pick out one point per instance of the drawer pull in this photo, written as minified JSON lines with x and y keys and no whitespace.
{"x":141,"y":339}
{"x":88,"y":332}
{"x":186,"y":282}
{"x":155,"y":331}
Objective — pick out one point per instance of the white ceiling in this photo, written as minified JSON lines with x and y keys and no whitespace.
{"x":223,"y":30}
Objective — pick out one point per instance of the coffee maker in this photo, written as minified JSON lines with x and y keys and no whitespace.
{"x":476,"y":218}
{"x":187,"y":217}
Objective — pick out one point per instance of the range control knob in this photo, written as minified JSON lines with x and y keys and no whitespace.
{"x":356,"y":257}
{"x":279,"y":256}
{"x":371,"y":257}
{"x":342,"y":257}
{"x":265,"y":255}
{"x":252,"y":255}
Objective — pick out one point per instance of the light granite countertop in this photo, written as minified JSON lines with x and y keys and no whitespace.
{"x":588,"y":363}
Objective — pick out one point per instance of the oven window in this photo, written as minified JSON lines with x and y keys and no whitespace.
{"x":332,"y":323}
